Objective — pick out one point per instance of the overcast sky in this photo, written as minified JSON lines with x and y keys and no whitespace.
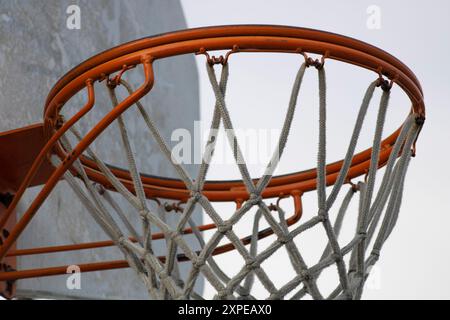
{"x":416,"y":259}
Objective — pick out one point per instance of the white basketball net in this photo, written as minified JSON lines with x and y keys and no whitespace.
{"x":377,"y":212}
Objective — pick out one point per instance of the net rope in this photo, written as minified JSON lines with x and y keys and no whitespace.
{"x":161,"y":275}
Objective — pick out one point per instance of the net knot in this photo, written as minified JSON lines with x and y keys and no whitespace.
{"x":222,"y":294}
{"x":284,"y":238}
{"x":252,"y":264}
{"x":323,"y":215}
{"x":337,"y":257}
{"x":306,"y":275}
{"x":376,"y":253}
{"x":163,"y":274}
{"x":196,"y":195}
{"x":175,"y":235}
{"x":100,"y":188}
{"x":224,"y":227}
{"x":199,"y":263}
{"x":255,"y":198}
{"x":121,"y":241}
{"x":143,"y":214}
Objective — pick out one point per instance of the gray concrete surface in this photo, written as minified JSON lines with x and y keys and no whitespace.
{"x":36,"y":49}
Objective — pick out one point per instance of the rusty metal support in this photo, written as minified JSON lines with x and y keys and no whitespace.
{"x":70,"y":158}
{"x":7,"y":286}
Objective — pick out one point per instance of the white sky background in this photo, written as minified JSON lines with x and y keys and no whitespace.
{"x":415,"y":261}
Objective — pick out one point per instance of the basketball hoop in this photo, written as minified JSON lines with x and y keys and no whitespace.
{"x":93,"y":180}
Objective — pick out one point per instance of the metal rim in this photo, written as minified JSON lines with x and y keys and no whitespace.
{"x":237,"y":30}
{"x":261,"y":38}
{"x":247,"y":37}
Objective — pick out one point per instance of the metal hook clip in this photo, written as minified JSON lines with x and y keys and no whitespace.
{"x":354,"y":186}
{"x":115,"y":81}
{"x":175,"y":206}
{"x":385,"y":84}
{"x":318,"y":64}
{"x":212,"y":60}
{"x":274,"y":207}
{"x":420,"y":120}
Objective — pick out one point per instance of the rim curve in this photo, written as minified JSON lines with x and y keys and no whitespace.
{"x":258,"y":37}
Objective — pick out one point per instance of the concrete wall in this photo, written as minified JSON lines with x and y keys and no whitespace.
{"x":36,"y":48}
